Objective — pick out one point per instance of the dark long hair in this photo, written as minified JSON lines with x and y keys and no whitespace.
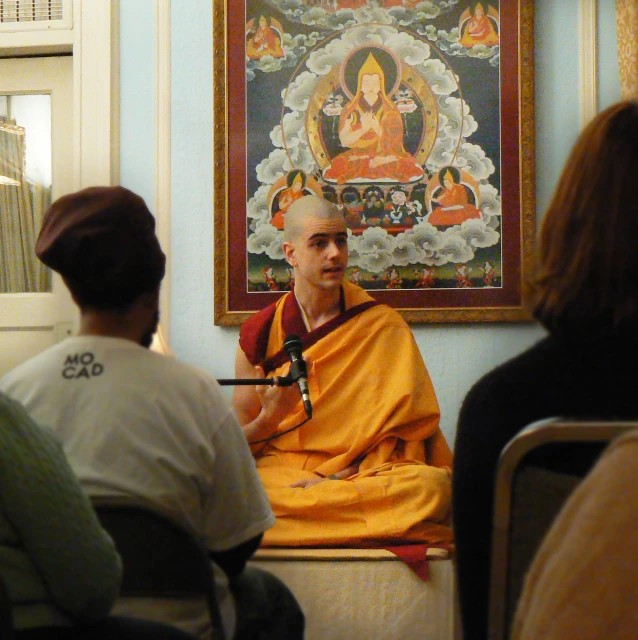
{"x":585,"y":278}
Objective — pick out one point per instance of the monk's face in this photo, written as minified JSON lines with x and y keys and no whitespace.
{"x":319,"y":252}
{"x":371,"y":86}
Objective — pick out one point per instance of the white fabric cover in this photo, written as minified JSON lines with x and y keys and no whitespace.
{"x":365,"y":593}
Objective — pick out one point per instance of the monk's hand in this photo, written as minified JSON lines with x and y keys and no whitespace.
{"x":276,"y":402}
{"x":307,"y":482}
{"x":369,"y":122}
{"x":381,"y":160}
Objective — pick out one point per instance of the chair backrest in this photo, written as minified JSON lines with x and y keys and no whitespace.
{"x":6,"y":615}
{"x":527,"y":498}
{"x":161,"y":557}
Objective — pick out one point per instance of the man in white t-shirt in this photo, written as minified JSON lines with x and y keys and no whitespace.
{"x":137,"y":423}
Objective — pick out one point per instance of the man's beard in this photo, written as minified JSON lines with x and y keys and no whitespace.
{"x":147,"y":337}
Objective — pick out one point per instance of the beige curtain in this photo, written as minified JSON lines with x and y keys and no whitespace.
{"x":627,"y":27}
{"x":22,"y":206}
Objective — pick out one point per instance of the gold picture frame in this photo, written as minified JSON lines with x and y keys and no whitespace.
{"x":274,"y":67}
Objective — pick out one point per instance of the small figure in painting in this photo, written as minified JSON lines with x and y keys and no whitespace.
{"x":265,"y":40}
{"x":333,"y":105}
{"x":425,"y":278}
{"x":450,"y":202}
{"x":414,"y":211}
{"x":371,"y":128}
{"x":355,"y":276}
{"x":394,"y":279}
{"x":488,"y":273}
{"x":463,"y":277}
{"x":296,"y":181}
{"x":269,"y":276}
{"x":352,"y":207}
{"x":403,"y":100}
{"x":479,"y":28}
{"x":373,"y":209}
{"x":290,"y":285}
{"x":399,"y":211}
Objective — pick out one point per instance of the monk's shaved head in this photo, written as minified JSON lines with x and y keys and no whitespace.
{"x":308,"y":206}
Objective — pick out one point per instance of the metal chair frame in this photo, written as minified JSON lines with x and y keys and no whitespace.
{"x":550,"y":431}
{"x":6,"y":615}
{"x":161,"y":556}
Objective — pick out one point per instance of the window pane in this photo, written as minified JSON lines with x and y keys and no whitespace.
{"x":25,"y":190}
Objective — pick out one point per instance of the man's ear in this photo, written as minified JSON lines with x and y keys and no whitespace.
{"x":150,"y":300}
{"x":289,"y":253}
{"x":73,"y":296}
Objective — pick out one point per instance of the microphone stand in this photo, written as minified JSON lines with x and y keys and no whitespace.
{"x":297,"y":370}
{"x":279,"y":381}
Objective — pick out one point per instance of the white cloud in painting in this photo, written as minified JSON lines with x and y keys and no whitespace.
{"x":472,"y":159}
{"x":376,"y":261}
{"x":490,"y":204}
{"x":477,"y":234}
{"x":407,"y":252}
{"x":453,"y":249}
{"x":257,"y":206}
{"x":268,"y":240}
{"x":297,"y":94}
{"x":273,"y":167}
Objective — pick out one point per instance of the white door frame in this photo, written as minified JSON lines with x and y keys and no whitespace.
{"x":94,"y":42}
{"x":96,"y":92}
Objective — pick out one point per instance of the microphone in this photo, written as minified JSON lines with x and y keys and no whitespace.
{"x":298,"y":369}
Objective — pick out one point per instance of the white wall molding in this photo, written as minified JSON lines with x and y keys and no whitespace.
{"x":96,"y":92}
{"x":163,"y":148}
{"x":588,"y":60}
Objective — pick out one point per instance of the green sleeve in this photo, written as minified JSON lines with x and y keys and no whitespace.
{"x":54,"y":519}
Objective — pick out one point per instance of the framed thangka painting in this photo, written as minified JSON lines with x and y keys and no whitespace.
{"x":414,"y":117}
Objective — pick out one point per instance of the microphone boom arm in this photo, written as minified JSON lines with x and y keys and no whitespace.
{"x":279,"y":381}
{"x":298,"y":373}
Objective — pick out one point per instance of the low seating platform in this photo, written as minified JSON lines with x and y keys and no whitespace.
{"x":351,"y":594}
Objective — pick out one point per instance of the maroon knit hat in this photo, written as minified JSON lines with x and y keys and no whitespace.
{"x":102,"y":241}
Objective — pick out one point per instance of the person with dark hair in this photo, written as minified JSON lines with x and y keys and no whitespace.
{"x":584,"y":291}
{"x":134,"y":422}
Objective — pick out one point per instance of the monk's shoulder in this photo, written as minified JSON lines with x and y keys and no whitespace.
{"x":254,"y":333}
{"x":385,"y":316}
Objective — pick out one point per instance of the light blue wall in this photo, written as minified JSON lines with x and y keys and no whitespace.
{"x":137,"y":98}
{"x":456,"y":355}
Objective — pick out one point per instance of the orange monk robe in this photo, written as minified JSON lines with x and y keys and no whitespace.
{"x":355,"y":164}
{"x":454,"y":208}
{"x":373,"y":401}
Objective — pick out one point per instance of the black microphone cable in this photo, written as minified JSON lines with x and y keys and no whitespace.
{"x":278,"y":435}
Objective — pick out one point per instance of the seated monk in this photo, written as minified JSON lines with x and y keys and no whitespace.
{"x":451,"y":204}
{"x":371,"y":128}
{"x":265,"y":41}
{"x":479,"y":29}
{"x":371,"y":467}
{"x":296,"y":183}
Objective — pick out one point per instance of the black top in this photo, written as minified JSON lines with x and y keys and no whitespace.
{"x":558,"y":377}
